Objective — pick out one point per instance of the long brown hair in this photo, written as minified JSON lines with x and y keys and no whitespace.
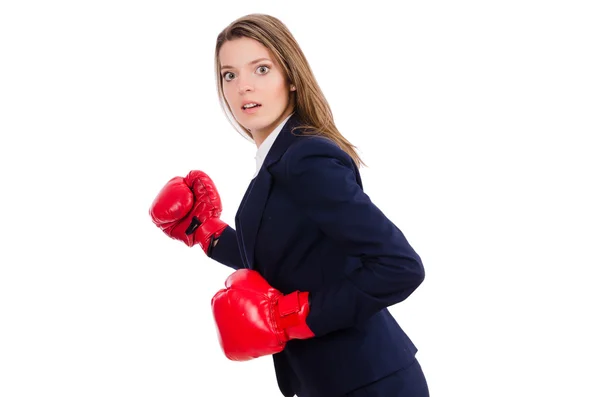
{"x":310,"y":103}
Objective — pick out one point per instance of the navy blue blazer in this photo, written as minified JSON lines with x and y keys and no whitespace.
{"x":306,"y":224}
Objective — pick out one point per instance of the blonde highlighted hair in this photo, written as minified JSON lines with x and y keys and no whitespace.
{"x":310,"y":104}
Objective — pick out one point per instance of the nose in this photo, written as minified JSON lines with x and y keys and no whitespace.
{"x":242,"y":88}
{"x":244,"y":85}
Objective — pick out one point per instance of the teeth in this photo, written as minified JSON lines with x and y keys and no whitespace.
{"x":250,"y":105}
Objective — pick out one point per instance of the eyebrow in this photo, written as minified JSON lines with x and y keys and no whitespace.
{"x":249,"y":63}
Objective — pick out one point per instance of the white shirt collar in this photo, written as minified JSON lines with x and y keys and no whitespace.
{"x":265,"y":146}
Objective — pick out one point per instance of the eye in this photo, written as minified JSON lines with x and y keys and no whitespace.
{"x":265,"y":67}
{"x":225,"y":76}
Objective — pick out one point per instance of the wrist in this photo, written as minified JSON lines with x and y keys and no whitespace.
{"x":293,"y":310}
{"x":207,"y":233}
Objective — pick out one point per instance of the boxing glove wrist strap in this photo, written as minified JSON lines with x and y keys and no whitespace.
{"x":293,"y":310}
{"x":207,"y":232}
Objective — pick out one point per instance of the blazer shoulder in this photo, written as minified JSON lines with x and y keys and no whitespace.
{"x":309,"y":156}
{"x":313,"y":146}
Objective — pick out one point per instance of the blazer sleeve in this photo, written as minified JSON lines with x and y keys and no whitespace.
{"x":323,"y":181}
{"x":227,"y":251}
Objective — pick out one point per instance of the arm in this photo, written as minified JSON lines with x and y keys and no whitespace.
{"x":321,"y":179}
{"x":226,"y":251}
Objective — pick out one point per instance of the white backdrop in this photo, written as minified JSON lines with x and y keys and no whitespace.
{"x":477,"y":122}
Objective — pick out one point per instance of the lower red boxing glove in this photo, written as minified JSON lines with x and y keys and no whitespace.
{"x":254,"y":319}
{"x":188,"y":209}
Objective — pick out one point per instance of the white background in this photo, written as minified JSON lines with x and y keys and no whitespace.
{"x":478,"y":121}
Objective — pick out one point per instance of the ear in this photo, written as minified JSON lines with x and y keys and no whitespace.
{"x":292,"y":87}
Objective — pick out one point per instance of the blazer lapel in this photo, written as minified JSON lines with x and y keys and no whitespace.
{"x":249,"y":214}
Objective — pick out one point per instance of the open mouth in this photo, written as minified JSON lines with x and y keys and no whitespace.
{"x":251,"y":107}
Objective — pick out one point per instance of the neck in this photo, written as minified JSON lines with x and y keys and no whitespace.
{"x":259,"y":136}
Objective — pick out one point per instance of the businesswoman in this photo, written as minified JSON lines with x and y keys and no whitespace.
{"x":316,"y":262}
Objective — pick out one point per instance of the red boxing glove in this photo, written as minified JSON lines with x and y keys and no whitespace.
{"x":188,"y":209}
{"x":254,"y":319}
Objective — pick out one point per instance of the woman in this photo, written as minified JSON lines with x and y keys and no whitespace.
{"x":317,"y":263}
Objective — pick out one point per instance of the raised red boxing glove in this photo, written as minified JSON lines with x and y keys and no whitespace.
{"x":254,"y":319}
{"x":188,"y":209}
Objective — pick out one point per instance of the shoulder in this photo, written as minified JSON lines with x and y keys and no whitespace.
{"x":315,"y":161}
{"x":310,"y":150}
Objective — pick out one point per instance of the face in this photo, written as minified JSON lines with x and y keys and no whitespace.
{"x":250,"y":75}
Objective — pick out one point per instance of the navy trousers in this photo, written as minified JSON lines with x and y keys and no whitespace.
{"x":408,"y":382}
